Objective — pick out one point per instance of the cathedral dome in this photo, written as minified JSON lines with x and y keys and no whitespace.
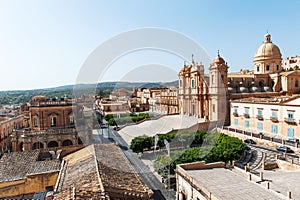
{"x":267,"y":50}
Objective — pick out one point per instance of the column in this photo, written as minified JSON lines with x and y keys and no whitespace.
{"x":14,"y":143}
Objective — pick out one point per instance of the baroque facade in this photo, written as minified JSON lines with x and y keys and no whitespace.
{"x":208,"y":95}
{"x":201,"y":95}
{"x":51,"y":124}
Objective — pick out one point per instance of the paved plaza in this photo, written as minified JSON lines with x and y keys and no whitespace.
{"x":160,"y":126}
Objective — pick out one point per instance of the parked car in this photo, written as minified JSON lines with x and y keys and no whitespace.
{"x":285,"y":149}
{"x":249,"y":141}
{"x":123,"y":147}
{"x":103,"y":125}
{"x":248,"y":148}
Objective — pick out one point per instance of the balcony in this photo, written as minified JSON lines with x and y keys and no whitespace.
{"x":259,"y":117}
{"x":290,"y":120}
{"x":235,"y":114}
{"x":246,"y":115}
{"x":274,"y":119}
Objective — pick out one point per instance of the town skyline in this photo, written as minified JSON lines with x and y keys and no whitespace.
{"x":53,"y":40}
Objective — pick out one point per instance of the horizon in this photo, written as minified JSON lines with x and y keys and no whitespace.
{"x":72,"y":85}
{"x":45,"y":44}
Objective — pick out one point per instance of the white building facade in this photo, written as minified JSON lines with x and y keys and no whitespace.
{"x":276,"y":115}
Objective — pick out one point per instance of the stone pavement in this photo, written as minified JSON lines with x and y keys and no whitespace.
{"x":283,"y":181}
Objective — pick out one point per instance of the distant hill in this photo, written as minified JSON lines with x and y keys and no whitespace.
{"x":22,"y":96}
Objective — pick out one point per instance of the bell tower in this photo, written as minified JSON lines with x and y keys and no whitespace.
{"x":218,"y":91}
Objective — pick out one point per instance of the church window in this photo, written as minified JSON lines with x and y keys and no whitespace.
{"x":214,"y":108}
{"x":257,"y":68}
{"x":71,"y":119}
{"x":296,"y":83}
{"x":268,"y":67}
{"x":212,"y":79}
{"x":53,"y":121}
{"x":35,"y":122}
{"x":193,"y":83}
{"x":277,"y":67}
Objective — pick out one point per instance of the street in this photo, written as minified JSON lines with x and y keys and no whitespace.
{"x":160,"y":193}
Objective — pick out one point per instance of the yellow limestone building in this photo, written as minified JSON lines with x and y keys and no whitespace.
{"x":204,"y":96}
{"x":208,"y":95}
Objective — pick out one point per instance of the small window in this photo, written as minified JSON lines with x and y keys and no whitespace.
{"x":235,"y":111}
{"x":214,"y":108}
{"x":236,"y":122}
{"x":212,"y":79}
{"x":268,"y":67}
{"x":274,"y":115}
{"x":257,"y":68}
{"x":246,"y":124}
{"x":71,"y":119}
{"x":193,"y":83}
{"x":259,"y":126}
{"x":259,"y":113}
{"x":290,"y":132}
{"x":290,"y":116}
{"x":247,"y":111}
{"x":296,"y":83}
{"x":274,"y":129}
{"x":277,"y":67}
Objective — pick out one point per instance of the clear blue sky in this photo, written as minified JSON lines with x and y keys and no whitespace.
{"x":44,"y":43}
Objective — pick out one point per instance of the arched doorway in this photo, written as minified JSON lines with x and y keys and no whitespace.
{"x":52,"y":144}
{"x":37,"y":145}
{"x":80,"y":141}
{"x":21,"y":146}
{"x":261,"y":85}
{"x":67,"y":143}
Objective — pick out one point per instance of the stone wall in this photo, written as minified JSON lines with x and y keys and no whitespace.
{"x":31,"y":184}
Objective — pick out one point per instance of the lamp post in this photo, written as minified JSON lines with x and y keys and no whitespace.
{"x":108,"y":131}
{"x":181,"y":140}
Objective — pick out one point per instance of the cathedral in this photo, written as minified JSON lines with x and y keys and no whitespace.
{"x":208,"y":95}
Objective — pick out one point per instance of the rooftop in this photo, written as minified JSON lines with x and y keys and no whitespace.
{"x":236,"y":187}
{"x":268,"y":100}
{"x":100,"y":168}
{"x":18,"y":165}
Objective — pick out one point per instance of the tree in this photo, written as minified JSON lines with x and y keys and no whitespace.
{"x":138,"y":144}
{"x":215,"y":147}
